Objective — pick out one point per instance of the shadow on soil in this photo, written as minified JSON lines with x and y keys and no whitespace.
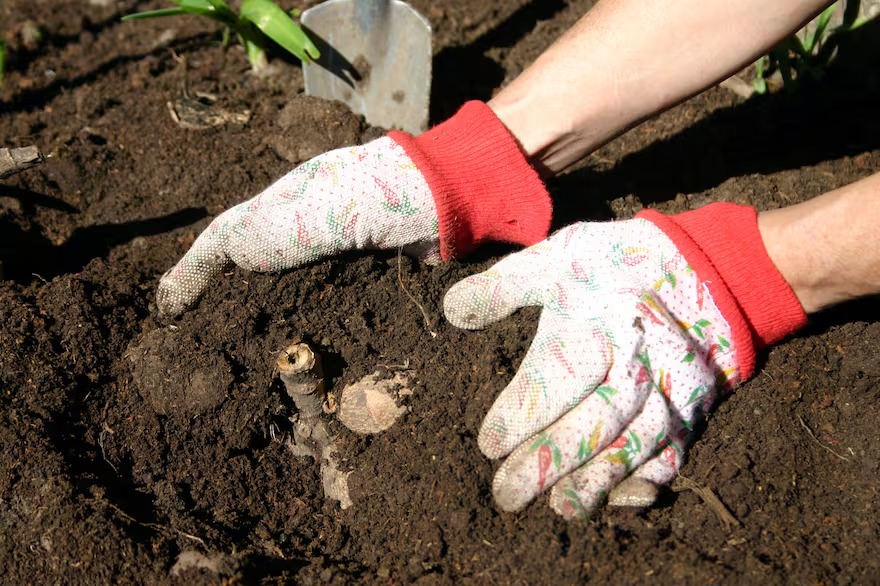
{"x":49,"y":260}
{"x":34,"y":100}
{"x":453,"y":84}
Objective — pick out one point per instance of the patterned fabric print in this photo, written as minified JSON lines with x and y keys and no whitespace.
{"x":626,"y":357}
{"x":371,"y":196}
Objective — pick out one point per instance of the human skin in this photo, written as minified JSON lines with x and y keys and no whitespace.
{"x":828,"y":248}
{"x":627,"y":60}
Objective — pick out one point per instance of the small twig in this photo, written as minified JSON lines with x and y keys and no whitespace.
{"x":411,"y":297}
{"x":815,"y":439}
{"x":403,"y":366}
{"x":710,"y":498}
{"x":156,"y":526}
{"x":103,"y":453}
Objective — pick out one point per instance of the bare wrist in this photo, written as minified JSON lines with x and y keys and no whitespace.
{"x":828,"y":248}
{"x":783,"y":240}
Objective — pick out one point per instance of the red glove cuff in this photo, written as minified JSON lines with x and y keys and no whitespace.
{"x":721,"y":242}
{"x":483,"y":186}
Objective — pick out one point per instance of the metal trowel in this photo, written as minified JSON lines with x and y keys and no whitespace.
{"x":375,"y":57}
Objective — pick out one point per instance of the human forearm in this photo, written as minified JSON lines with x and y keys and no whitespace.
{"x":627,"y":60}
{"x":828,"y":248}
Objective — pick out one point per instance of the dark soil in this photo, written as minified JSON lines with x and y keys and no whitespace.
{"x":103,"y":481}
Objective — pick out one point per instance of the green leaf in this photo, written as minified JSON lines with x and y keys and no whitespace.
{"x":278,"y":26}
{"x":154,"y":13}
{"x":215,"y":9}
{"x":818,"y":34}
{"x":259,"y":20}
{"x":255,"y":53}
{"x":794,"y":44}
{"x":219,"y":9}
{"x":759,"y":84}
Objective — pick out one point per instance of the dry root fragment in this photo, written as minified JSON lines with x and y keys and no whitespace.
{"x":334,"y":481}
{"x":18,"y":159}
{"x":199,"y":113}
{"x":370,"y":405}
{"x":330,"y":404}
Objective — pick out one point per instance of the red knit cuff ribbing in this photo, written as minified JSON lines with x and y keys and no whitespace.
{"x":483,"y":186}
{"x":722,"y":244}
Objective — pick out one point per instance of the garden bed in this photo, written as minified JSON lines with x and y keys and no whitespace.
{"x":101,"y":482}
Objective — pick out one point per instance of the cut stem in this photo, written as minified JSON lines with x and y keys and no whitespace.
{"x":303,"y":377}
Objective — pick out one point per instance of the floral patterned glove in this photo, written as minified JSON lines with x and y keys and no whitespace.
{"x":438,"y":195}
{"x":643,"y":322}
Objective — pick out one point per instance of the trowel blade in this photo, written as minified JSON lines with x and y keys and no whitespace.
{"x":376,"y":58}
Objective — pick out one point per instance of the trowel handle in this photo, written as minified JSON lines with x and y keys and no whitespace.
{"x":371,"y":14}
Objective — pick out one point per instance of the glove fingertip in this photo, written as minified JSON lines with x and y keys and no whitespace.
{"x":662,"y":468}
{"x":508,"y":499}
{"x":569,"y":503}
{"x":465,"y":305}
{"x":492,"y":440}
{"x":171,"y":298}
{"x":633,"y":492}
{"x":510,"y":492}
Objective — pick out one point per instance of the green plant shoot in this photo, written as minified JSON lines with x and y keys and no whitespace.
{"x":257,"y":22}
{"x":798,"y":59}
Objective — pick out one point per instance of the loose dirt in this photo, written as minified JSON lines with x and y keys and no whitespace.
{"x":134,"y":454}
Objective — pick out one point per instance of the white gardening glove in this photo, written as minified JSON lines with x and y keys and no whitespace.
{"x":437,"y":195}
{"x":366,"y":197}
{"x":629,"y":353}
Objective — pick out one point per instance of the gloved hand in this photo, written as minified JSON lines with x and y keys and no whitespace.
{"x":643,"y":322}
{"x":438,"y":194}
